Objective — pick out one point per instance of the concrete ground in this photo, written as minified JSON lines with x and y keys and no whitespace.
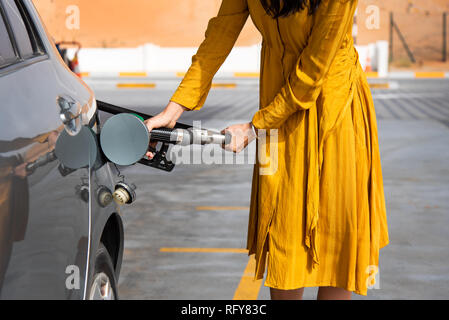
{"x":203,"y":208}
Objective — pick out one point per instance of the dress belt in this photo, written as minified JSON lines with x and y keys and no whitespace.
{"x":315,"y":161}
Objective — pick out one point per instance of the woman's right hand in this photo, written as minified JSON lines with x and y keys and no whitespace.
{"x":165,"y":119}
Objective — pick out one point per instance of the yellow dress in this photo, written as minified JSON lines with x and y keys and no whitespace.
{"x":318,"y":215}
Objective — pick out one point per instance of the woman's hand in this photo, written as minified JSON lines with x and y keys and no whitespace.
{"x":242,"y":136}
{"x":166,"y":119}
{"x":21,"y":171}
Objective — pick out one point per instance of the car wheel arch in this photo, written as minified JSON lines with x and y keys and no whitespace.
{"x":112,"y":238}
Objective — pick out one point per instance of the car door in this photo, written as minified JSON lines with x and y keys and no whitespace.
{"x":44,"y":205}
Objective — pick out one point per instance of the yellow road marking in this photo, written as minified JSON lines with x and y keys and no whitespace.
{"x":213,"y":250}
{"x":429,"y":75}
{"x":224,"y":85}
{"x":379,"y":85}
{"x":136,"y":85}
{"x":248,"y":289}
{"x":246,"y":74}
{"x":180,"y":74}
{"x":221,"y":208}
{"x":85,"y":74}
{"x":133,"y":74}
{"x":372,"y":74}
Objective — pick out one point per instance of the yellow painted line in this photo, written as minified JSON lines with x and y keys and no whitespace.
{"x":210,"y":250}
{"x":372,"y":74}
{"x":246,"y":74}
{"x":132,"y":74}
{"x":136,"y":85}
{"x":85,"y":74}
{"x":248,"y":288}
{"x":221,"y":208}
{"x":430,"y":75}
{"x":180,"y":74}
{"x":224,"y":85}
{"x":379,"y":85}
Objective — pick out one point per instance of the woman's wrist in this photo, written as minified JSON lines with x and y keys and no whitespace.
{"x":174,"y":110}
{"x":253,"y":128}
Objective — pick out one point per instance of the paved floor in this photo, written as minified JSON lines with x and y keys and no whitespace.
{"x":180,"y":214}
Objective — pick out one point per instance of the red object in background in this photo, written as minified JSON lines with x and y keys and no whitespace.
{"x":73,"y":64}
{"x":368,"y":67}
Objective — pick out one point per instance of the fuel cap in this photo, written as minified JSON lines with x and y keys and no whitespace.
{"x":124,"y":139}
{"x":77,"y":151}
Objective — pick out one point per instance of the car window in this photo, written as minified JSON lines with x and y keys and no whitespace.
{"x":19,"y":28}
{"x":36,"y":41}
{"x":7,"y":54}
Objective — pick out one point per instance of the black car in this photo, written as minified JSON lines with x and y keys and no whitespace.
{"x":61,"y":235}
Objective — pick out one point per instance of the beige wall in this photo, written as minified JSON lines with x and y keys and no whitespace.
{"x":419,"y":21}
{"x":179,"y":23}
{"x":424,"y":13}
{"x":130,"y":23}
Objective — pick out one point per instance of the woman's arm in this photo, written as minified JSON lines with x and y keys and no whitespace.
{"x":332,"y":21}
{"x":221,"y":35}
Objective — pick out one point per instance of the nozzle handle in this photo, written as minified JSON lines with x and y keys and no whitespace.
{"x":162,"y":135}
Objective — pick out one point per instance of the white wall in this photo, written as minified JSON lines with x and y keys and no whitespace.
{"x":150,"y":58}
{"x":378,"y":53}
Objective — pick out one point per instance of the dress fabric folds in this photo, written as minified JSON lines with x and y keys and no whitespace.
{"x":318,"y":215}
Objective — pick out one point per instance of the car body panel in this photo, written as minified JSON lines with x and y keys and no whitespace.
{"x":50,"y":218}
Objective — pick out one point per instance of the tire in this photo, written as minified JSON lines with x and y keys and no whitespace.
{"x":103,"y":284}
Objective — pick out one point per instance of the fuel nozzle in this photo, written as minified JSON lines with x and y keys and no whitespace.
{"x":125,"y":140}
{"x":185,"y":137}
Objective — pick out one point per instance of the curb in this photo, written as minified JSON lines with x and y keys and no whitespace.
{"x":152,"y":85}
{"x":410,"y":75}
{"x":254,"y":75}
{"x":216,"y":85}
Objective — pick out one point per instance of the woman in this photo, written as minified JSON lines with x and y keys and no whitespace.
{"x":319,"y":220}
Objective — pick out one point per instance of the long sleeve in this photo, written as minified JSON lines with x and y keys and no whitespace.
{"x":221,"y":35}
{"x":19,"y":143}
{"x":332,"y":21}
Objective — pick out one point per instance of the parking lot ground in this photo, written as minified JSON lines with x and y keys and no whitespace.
{"x":185,"y":235}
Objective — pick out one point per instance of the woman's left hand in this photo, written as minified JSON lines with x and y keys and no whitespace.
{"x":242,"y":136}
